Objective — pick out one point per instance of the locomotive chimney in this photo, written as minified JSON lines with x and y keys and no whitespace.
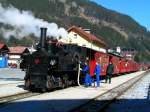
{"x":43,"y":38}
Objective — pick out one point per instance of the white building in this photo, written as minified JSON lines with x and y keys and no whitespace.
{"x":15,"y":53}
{"x":81,"y":37}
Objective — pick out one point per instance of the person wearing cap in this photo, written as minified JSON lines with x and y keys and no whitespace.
{"x":109,"y":72}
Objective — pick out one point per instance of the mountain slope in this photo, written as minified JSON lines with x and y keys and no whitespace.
{"x":115,"y":29}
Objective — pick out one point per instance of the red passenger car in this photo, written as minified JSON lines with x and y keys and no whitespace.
{"x":121,"y":65}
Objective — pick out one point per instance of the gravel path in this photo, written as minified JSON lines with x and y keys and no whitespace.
{"x":136,"y":99}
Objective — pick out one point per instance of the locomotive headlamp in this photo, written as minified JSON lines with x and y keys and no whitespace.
{"x":52,"y":62}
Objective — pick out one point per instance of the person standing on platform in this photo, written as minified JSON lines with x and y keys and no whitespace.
{"x":109,"y":71}
{"x":86,"y":70}
{"x":97,"y":73}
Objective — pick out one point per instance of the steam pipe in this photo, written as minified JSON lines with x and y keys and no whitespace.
{"x":43,"y":38}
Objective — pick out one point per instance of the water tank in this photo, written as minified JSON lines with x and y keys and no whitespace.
{"x":3,"y":62}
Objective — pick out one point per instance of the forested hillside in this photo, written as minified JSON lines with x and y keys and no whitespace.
{"x":114,"y":28}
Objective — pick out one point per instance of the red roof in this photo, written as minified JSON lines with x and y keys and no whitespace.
{"x":17,"y":50}
{"x":88,"y":36}
{"x":2,"y":45}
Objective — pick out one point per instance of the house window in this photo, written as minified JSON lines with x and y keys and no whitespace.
{"x":75,"y":36}
{"x":70,"y":40}
{"x":83,"y":45}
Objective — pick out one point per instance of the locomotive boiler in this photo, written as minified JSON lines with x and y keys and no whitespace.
{"x":53,"y":64}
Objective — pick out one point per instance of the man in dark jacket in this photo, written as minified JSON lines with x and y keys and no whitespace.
{"x":109,"y":71}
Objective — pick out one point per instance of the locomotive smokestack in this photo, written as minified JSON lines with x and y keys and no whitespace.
{"x":43,"y":38}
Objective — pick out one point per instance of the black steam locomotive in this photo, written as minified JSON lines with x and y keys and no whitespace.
{"x":53,"y":65}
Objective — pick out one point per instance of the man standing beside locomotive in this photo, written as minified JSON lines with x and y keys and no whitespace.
{"x":109,"y":71}
{"x":86,"y":70}
{"x":97,"y":72}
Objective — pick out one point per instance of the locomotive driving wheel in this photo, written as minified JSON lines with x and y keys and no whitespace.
{"x":27,"y":80}
{"x":65,"y":81}
{"x":50,"y":82}
{"x":49,"y":85}
{"x":27,"y":83}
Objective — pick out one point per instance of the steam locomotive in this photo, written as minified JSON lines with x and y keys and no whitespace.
{"x":53,"y":64}
{"x":58,"y":65}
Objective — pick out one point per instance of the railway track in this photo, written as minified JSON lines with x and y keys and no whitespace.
{"x":7,"y":99}
{"x":101,"y":102}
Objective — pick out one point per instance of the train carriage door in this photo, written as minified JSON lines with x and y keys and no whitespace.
{"x":116,"y":64}
{"x":121,"y":65}
{"x":104,"y":60}
{"x":91,"y":55}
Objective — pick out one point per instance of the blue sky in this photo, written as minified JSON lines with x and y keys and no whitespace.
{"x":139,"y":10}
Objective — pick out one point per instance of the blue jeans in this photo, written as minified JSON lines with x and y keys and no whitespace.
{"x":88,"y":81}
{"x":98,"y":80}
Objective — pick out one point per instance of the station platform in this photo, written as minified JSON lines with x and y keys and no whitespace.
{"x":67,"y":99}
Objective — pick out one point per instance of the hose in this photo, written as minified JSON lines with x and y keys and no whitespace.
{"x":78,"y":79}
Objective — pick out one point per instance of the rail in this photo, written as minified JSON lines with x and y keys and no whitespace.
{"x":100,"y":102}
{"x":10,"y":98}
